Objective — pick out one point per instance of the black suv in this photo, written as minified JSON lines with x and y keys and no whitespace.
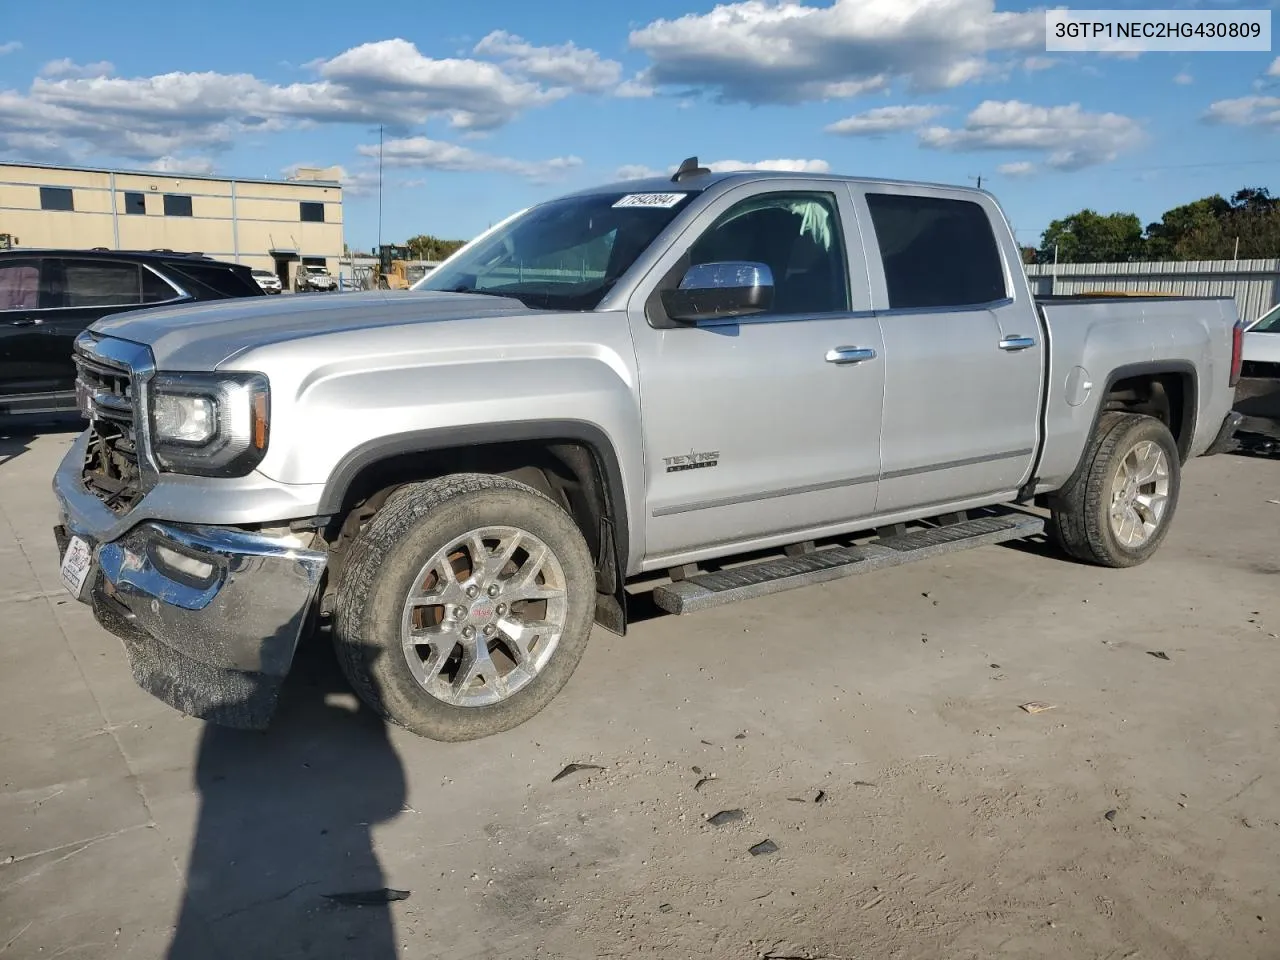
{"x":47,"y":297}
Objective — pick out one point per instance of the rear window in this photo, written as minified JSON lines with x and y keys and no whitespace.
{"x":216,"y":280}
{"x":937,"y":252}
{"x":90,"y":283}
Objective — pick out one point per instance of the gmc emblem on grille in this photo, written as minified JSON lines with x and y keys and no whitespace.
{"x":84,"y":400}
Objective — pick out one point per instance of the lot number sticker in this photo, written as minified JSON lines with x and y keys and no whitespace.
{"x":663,"y":201}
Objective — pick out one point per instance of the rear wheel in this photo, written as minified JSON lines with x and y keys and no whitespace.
{"x":465,"y":606}
{"x":1116,"y":510}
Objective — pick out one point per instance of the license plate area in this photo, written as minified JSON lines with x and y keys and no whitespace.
{"x":77,"y":565}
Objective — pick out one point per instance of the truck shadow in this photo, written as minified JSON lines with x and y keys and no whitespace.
{"x":285,"y":821}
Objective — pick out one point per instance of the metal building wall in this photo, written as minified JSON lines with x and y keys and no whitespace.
{"x":1255,"y":284}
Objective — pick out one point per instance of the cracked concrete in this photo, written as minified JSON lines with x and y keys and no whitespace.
{"x":952,"y":824}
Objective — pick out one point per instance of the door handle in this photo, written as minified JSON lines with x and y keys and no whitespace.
{"x":842,"y":355}
{"x":26,"y":322}
{"x":1017,"y":343}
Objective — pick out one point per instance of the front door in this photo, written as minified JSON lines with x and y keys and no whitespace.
{"x":964,"y":379}
{"x":29,"y":362}
{"x":767,"y":426}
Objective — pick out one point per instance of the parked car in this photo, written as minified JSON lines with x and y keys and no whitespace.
{"x":268,"y":281}
{"x":48,"y":297}
{"x":631,"y":387}
{"x":315,"y":278}
{"x":1258,"y":393}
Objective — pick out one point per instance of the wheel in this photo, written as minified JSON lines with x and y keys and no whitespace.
{"x":1116,"y":509}
{"x":465,"y":606}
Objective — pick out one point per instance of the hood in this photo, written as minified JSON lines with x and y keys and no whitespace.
{"x":202,"y":335}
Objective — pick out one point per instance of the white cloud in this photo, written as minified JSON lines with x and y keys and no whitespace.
{"x":1033,"y":64}
{"x":1021,"y":168}
{"x":1245,"y":112}
{"x":636,"y":88}
{"x":1183,"y":79}
{"x":785,"y":51}
{"x":637,"y":171}
{"x":792,"y":166}
{"x":76,"y":112}
{"x":12,"y":46}
{"x":423,"y":153}
{"x":1274,"y":69}
{"x":1069,"y":137}
{"x":563,"y":65}
{"x":67,"y":67}
{"x":883,"y":120}
{"x":200,"y":166}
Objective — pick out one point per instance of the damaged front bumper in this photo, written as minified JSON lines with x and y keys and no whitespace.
{"x":210,"y":616}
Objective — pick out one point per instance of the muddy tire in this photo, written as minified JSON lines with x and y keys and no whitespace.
{"x":465,"y":606}
{"x":1116,"y":509}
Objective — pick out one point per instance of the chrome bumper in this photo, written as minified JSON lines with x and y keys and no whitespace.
{"x":210,"y":616}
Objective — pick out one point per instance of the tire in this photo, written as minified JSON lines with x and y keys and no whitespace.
{"x":1081,"y":520}
{"x":388,"y":560}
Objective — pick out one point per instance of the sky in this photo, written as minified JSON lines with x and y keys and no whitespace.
{"x":491,"y":105}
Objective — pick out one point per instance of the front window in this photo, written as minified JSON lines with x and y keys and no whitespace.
{"x":562,"y":255}
{"x":1270,"y":322}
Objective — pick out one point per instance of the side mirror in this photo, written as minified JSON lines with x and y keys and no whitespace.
{"x":713,"y":290}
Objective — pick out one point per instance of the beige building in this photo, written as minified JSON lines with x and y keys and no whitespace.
{"x":268,"y":224}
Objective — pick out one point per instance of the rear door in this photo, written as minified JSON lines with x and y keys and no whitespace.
{"x":88,"y":289}
{"x":965,"y":358}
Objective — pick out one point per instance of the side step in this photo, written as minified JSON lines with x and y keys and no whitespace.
{"x":705,"y":590}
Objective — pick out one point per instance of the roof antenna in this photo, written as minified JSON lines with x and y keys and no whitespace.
{"x":689,"y":168}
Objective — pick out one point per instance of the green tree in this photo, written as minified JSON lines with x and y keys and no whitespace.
{"x":1091,"y":237}
{"x":426,"y":247}
{"x":1168,"y":239}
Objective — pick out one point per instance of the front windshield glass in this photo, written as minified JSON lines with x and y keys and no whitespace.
{"x":562,"y":255}
{"x":1270,"y":323}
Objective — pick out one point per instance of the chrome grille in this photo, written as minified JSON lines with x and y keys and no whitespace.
{"x":107,"y":391}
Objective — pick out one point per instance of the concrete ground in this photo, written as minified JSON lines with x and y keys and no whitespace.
{"x":869,"y":728}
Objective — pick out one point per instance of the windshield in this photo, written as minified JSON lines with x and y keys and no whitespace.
{"x":1270,"y":322}
{"x":316,"y":270}
{"x":562,"y":255}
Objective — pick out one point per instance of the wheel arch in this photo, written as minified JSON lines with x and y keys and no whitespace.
{"x":1166,"y":389}
{"x":579,"y":449}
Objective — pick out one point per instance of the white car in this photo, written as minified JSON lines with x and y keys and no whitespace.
{"x":1262,"y":342}
{"x":267,"y":280}
{"x":315,"y":278}
{"x":1258,"y":393}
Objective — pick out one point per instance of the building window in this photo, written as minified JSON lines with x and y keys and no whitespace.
{"x":135,"y":203}
{"x":56,"y":198}
{"x":177,"y":205}
{"x":311,"y":212}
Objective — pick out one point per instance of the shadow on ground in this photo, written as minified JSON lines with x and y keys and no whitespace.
{"x":17,"y":434}
{"x":285,"y":819}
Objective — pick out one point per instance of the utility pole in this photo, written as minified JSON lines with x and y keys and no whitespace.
{"x":379,"y":188}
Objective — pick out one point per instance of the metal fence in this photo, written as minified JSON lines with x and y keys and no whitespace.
{"x":1255,"y":284}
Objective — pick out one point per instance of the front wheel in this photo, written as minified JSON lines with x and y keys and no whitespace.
{"x":465,"y":606}
{"x":1116,"y":509}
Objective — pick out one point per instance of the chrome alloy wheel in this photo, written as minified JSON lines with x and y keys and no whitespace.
{"x":1140,"y":494}
{"x":485,"y":616}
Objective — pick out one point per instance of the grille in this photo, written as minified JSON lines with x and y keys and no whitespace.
{"x":107,"y":396}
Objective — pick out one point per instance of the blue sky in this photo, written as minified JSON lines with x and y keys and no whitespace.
{"x":495,"y":104}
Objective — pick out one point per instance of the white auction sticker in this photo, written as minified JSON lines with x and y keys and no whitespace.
{"x":663,"y":201}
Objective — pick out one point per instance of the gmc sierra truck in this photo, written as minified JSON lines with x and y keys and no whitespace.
{"x":713,"y":386}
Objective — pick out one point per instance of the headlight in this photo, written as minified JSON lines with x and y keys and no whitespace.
{"x":209,"y":424}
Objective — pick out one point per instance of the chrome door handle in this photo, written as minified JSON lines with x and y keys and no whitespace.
{"x":1017,"y":343}
{"x":850,"y":354}
{"x":26,"y":322}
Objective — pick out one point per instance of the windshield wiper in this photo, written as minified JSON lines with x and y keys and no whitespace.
{"x":484,"y":293}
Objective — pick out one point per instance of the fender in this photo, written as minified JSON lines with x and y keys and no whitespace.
{"x":480,"y":434}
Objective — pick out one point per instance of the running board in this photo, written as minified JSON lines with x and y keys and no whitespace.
{"x":705,"y":590}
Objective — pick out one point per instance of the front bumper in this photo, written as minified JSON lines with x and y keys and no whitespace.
{"x":210,"y":616}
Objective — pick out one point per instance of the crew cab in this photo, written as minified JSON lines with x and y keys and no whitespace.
{"x":713,"y":386}
{"x":49,"y":297}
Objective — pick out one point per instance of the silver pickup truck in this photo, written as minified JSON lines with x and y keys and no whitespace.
{"x":713,"y":386}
